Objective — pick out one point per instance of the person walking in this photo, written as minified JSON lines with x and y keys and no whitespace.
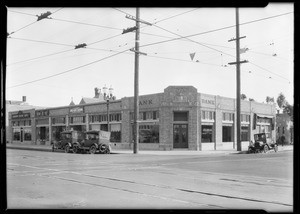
{"x":282,"y":139}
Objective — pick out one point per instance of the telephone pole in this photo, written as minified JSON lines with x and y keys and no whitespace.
{"x":136,"y":83}
{"x":238,"y":80}
{"x":137,"y":52}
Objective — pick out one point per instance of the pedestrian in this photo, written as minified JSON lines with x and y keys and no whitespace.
{"x":282,"y":139}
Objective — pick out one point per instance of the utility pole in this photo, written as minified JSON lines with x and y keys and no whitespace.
{"x":238,"y":80}
{"x":137,"y":52}
{"x":136,"y":83}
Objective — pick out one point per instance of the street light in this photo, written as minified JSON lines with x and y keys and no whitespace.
{"x":106,"y":97}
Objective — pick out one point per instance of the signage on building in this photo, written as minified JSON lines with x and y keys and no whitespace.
{"x":42,"y":113}
{"x":145,"y":102}
{"x":76,"y":110}
{"x":20,"y":115}
{"x":211,"y":102}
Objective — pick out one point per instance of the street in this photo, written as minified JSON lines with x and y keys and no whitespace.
{"x":56,"y":180}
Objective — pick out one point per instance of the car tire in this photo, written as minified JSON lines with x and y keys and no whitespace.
{"x":75,"y":149}
{"x":266,"y":149}
{"x":67,"y":149}
{"x":102,"y":149}
{"x":93,"y":149}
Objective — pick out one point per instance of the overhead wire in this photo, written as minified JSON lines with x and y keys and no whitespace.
{"x":67,"y":71}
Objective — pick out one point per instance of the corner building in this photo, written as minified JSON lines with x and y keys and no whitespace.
{"x":178,"y":118}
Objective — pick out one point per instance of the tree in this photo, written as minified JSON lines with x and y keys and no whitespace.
{"x":269,"y":99}
{"x":281,"y":102}
{"x":251,"y":99}
{"x":289,"y":109}
{"x":243,"y":97}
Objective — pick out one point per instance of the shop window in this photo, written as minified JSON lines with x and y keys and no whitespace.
{"x":206,"y":133}
{"x":16,"y":134}
{"x":80,"y":119}
{"x":147,"y":133}
{"x":245,"y":118}
{"x":245,"y":133}
{"x":27,"y":134}
{"x":227,"y":134}
{"x":58,"y":120}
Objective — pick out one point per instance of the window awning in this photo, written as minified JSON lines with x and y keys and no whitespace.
{"x":264,"y":116}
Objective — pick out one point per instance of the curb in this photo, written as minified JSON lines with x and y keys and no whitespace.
{"x":146,"y":152}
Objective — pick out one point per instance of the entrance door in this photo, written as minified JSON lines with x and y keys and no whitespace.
{"x":22,"y":134}
{"x":180,"y":135}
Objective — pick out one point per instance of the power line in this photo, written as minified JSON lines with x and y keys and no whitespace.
{"x":39,"y":57}
{"x":31,"y":40}
{"x":21,"y":12}
{"x":22,"y":28}
{"x":215,"y":30}
{"x":37,"y":80}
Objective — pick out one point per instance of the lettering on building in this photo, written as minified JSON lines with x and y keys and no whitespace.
{"x":20,"y":115}
{"x":211,"y":102}
{"x":42,"y":113}
{"x":76,"y":110}
{"x":145,"y":102}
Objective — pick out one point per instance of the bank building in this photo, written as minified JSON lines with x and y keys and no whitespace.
{"x":178,"y":118}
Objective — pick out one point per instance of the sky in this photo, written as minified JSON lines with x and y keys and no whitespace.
{"x":43,"y":64}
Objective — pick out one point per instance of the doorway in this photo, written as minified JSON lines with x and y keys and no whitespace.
{"x":180,"y":136}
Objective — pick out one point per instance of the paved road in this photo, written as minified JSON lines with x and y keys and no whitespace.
{"x":38,"y":179}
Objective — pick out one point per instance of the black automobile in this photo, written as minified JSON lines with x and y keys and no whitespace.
{"x":95,"y":141}
{"x":262,"y":143}
{"x":67,"y":139}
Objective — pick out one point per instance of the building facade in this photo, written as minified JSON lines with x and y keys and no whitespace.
{"x":178,"y":118}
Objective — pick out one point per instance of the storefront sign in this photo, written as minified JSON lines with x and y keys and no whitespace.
{"x":76,"y":110}
{"x":212,"y":102}
{"x":20,"y":115}
{"x":145,"y":102}
{"x":42,"y":113}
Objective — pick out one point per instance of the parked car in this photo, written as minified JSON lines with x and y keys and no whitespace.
{"x":262,"y":143}
{"x":67,"y":140}
{"x":95,"y":141}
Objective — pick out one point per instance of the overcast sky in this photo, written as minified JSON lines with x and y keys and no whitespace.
{"x":44,"y":66}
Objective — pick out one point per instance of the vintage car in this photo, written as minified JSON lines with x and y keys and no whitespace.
{"x":262,"y":143}
{"x":95,"y":141}
{"x":67,"y":140}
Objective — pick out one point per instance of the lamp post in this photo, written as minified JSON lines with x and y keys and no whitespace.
{"x":106,"y":97}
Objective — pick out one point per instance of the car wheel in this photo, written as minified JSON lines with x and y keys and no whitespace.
{"x":276,"y":148}
{"x":93,"y":149}
{"x":102,"y":149}
{"x":67,"y":149}
{"x":75,"y":149}
{"x":266,"y":149}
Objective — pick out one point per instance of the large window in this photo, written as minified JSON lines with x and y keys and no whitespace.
{"x":148,"y":133}
{"x":56,"y":130}
{"x":16,"y":134}
{"x":245,"y":118}
{"x":103,"y":117}
{"x":58,"y":120}
{"x":146,"y":115}
{"x":80,"y":119}
{"x":208,"y":115}
{"x":245,"y":133}
{"x":228,"y":116}
{"x":227,"y":132}
{"x":27,"y":134}
{"x":206,"y":133}
{"x":115,"y":132}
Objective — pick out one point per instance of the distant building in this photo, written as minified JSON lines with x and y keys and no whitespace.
{"x":13,"y":106}
{"x":285,"y":127}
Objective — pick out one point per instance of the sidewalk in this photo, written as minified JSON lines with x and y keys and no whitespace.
{"x":48,"y":148}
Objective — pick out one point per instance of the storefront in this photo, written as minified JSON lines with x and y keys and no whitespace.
{"x":178,"y":118}
{"x":21,"y":127}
